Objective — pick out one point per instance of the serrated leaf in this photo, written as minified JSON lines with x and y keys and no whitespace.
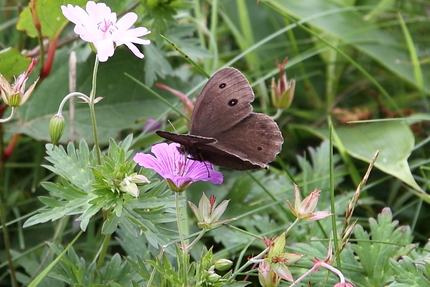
{"x":156,"y":65}
{"x":316,"y":167}
{"x":406,"y":273}
{"x":110,"y":224}
{"x":64,"y":191}
{"x":375,"y":251}
{"x":72,"y":165}
{"x":50,"y":202}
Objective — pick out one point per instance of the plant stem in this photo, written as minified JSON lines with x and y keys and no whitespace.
{"x":102,"y":254}
{"x":249,"y":262}
{"x":93,"y":112}
{"x":12,"y":113}
{"x":191,"y":245}
{"x":63,"y":102}
{"x":183,"y":246}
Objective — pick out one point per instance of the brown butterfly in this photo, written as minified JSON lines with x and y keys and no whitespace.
{"x":224,"y":130}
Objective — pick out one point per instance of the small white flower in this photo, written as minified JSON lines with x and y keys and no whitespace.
{"x":99,"y":26}
{"x":129,"y":184}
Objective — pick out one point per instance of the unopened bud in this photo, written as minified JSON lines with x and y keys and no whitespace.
{"x":56,"y":128}
{"x":214,"y":278}
{"x":223,"y":264}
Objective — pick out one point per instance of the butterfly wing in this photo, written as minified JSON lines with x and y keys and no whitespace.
{"x":190,"y":144}
{"x":224,"y":101}
{"x":256,"y":141}
{"x":186,"y":140}
{"x":224,"y":130}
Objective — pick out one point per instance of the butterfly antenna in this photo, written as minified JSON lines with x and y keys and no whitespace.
{"x":170,"y":123}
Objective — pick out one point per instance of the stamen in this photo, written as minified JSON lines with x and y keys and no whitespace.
{"x":106,"y":26}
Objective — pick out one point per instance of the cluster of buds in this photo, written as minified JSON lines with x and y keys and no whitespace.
{"x":220,"y":265}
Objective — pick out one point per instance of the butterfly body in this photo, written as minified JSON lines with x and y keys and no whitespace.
{"x":224,"y":130}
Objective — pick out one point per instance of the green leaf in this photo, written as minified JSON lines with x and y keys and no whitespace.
{"x":65,"y":205}
{"x":73,"y":165}
{"x":394,"y":140}
{"x":156,"y":65}
{"x":316,"y":168}
{"x":12,"y":63}
{"x":50,"y":16}
{"x":74,"y":271}
{"x":376,"y":250}
{"x":408,"y":273}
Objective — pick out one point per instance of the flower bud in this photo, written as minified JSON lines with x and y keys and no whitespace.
{"x":223,"y":264}
{"x":56,"y":128}
{"x":129,"y":184}
{"x":282,"y":92}
{"x":214,"y":278}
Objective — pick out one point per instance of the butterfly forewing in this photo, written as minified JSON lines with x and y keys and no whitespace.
{"x":224,"y":101}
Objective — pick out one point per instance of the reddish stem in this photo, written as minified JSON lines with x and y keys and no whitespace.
{"x":10,"y":147}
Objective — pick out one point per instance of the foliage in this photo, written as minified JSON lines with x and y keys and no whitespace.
{"x":82,"y":213}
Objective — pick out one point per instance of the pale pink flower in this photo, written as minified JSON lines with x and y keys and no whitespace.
{"x":275,"y":265}
{"x":15,"y":95}
{"x":208,"y":213}
{"x":266,"y":276}
{"x":99,"y":26}
{"x":178,"y":170}
{"x":306,"y":209}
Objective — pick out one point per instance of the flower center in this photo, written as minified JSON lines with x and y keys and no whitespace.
{"x":107,"y":26}
{"x":180,"y":168}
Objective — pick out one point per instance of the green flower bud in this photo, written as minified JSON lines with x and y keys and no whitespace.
{"x":223,"y":264}
{"x":56,"y":128}
{"x":214,"y":278}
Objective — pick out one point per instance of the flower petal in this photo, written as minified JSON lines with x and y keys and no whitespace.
{"x":105,"y":49}
{"x":282,"y":271}
{"x":99,"y":25}
{"x":171,"y":164}
{"x":319,"y":215}
{"x":126,"y":22}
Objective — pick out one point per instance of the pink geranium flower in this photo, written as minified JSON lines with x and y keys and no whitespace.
{"x":178,"y":170}
{"x":99,"y":26}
